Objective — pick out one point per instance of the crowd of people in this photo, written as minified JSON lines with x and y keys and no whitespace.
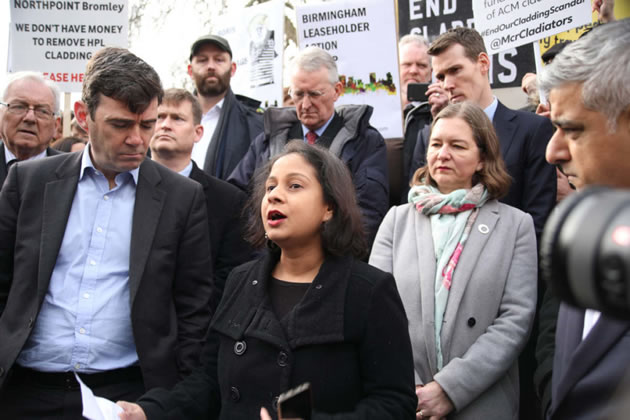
{"x":192,"y":256}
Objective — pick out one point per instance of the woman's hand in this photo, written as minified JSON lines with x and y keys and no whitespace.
{"x":433,"y":403}
{"x":264,"y":415}
{"x":131,"y":411}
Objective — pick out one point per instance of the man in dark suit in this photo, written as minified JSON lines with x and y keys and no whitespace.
{"x":177,"y":129}
{"x":230,"y":122}
{"x":589,"y":98}
{"x":27,"y":119}
{"x":461,"y":65}
{"x":105,"y":267}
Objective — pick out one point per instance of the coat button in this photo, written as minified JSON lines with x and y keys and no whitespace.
{"x":235,"y":395}
{"x":283,"y":358}
{"x":471,"y":322}
{"x":274,"y":403}
{"x":240,"y":347}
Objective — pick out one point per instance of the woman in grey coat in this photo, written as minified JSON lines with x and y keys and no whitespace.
{"x":466,"y":269}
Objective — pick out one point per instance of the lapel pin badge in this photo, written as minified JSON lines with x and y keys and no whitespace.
{"x":483,"y":229}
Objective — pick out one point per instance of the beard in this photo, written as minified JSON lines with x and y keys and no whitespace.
{"x":216,"y":87}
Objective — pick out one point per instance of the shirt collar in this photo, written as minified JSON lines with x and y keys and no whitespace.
{"x":187,"y":170}
{"x":215,"y":108}
{"x":86,"y":162}
{"x":320,"y":130}
{"x":492,"y":108}
{"x":8,"y":156}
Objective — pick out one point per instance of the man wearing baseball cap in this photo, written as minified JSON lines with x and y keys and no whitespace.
{"x":230,"y":121}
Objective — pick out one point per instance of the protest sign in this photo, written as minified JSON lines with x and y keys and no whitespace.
{"x":361,"y":37}
{"x":432,"y":18}
{"x":256,"y":36}
{"x":57,"y":38}
{"x":507,"y":24}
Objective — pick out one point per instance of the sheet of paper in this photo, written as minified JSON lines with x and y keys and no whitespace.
{"x":97,"y":408}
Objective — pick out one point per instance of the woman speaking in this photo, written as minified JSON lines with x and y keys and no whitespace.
{"x":307,"y":311}
{"x":466,"y":269}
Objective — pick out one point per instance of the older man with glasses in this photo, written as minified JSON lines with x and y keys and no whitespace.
{"x":346,"y":131}
{"x":27,"y":119}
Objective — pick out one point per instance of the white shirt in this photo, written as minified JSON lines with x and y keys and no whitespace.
{"x":591,"y":316}
{"x":209,"y":120}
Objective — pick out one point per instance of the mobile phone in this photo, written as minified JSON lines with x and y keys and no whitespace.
{"x":417,"y":92}
{"x":295,"y":403}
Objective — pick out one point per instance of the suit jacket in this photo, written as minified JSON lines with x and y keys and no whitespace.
{"x":490,"y":307}
{"x":523,"y":138}
{"x":224,"y":203}
{"x":3,"y":165}
{"x":587,"y":373}
{"x":169,"y":265}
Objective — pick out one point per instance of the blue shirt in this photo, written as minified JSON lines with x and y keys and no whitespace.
{"x":492,"y":109}
{"x":319,"y":131}
{"x":187,"y":170}
{"x":85,"y":319}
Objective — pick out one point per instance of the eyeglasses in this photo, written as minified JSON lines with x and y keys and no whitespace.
{"x":20,"y":109}
{"x":313,"y":95}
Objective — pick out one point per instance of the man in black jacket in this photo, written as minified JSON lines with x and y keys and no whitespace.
{"x":230,"y":122}
{"x":177,"y":129}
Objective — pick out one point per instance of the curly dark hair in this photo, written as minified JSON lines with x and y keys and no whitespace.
{"x":343,"y":234}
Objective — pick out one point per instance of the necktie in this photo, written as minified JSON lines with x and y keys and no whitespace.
{"x":311,"y":137}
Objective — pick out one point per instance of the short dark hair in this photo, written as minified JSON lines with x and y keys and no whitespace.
{"x":466,"y":37}
{"x":343,"y":234}
{"x":120,"y":75}
{"x":176,"y":96}
{"x":493,"y":175}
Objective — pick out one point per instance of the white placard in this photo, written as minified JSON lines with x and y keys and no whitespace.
{"x":57,"y":38}
{"x":256,"y":36}
{"x":361,"y":36}
{"x":505,"y":24}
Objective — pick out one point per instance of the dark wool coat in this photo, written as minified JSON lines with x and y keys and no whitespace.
{"x":347,"y":337}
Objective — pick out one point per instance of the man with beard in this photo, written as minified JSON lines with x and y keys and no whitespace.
{"x":230,"y":122}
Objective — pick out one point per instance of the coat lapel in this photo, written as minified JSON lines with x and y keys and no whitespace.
{"x":58,"y":197}
{"x":146,"y":215}
{"x":426,"y":254}
{"x":605,"y":333}
{"x":3,"y":165}
{"x":504,"y":127}
{"x":471,"y":255}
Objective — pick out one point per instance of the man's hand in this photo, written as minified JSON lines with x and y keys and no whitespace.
{"x":131,"y":411}
{"x":606,"y":10}
{"x":564,"y":188}
{"x":438,"y":98}
{"x":433,"y":403}
{"x":528,"y":83}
